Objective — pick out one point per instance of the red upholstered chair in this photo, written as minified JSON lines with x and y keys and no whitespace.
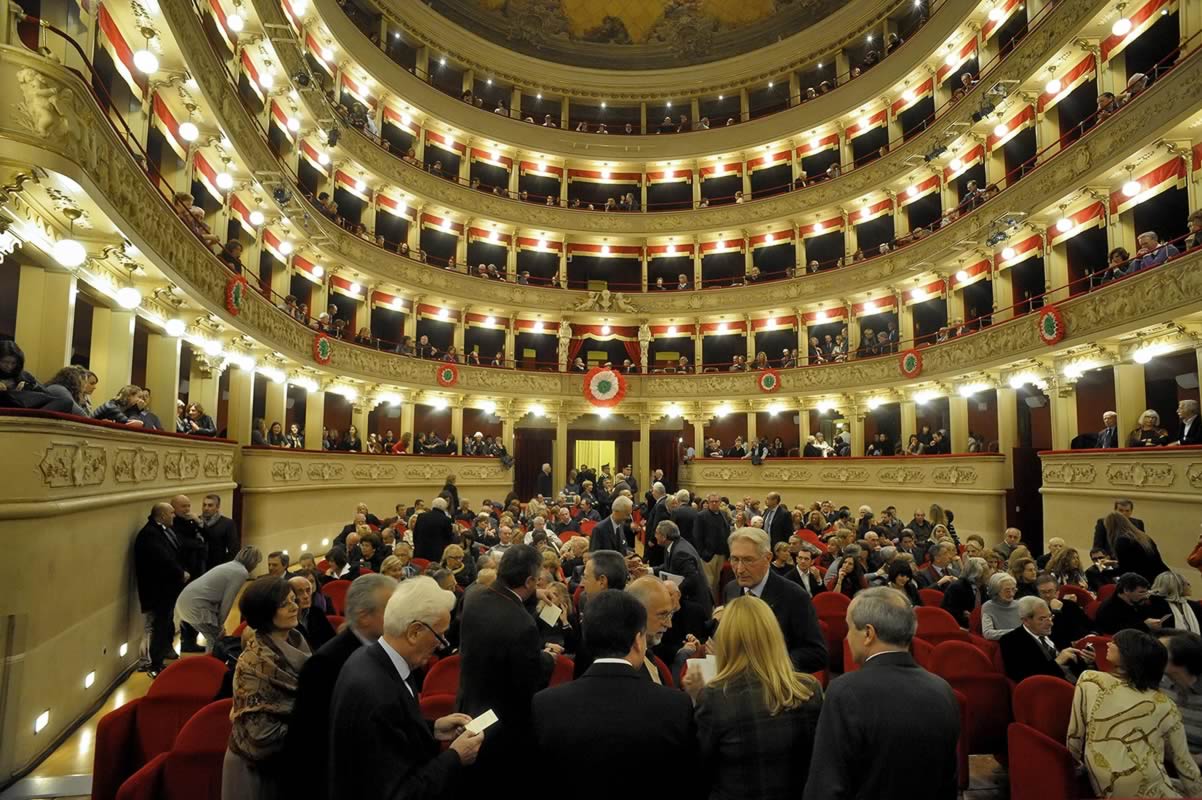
{"x":336,"y":621}
{"x":1105,"y":591}
{"x":988,"y":710}
{"x":1091,"y":610}
{"x":1099,"y":650}
{"x":129,"y":737}
{"x":962,"y":769}
{"x":831,"y":608}
{"x":1044,"y":703}
{"x":191,"y":769}
{"x":565,"y":536}
{"x":420,"y":564}
{"x":922,"y":651}
{"x":849,"y":663}
{"x":434,"y":706}
{"x":955,"y":659}
{"x":819,"y":676}
{"x":586,"y":527}
{"x":443,"y":677}
{"x":936,"y":626}
{"x":1041,"y":768}
{"x":1084,"y":598}
{"x":336,"y":592}
{"x":931,"y":598}
{"x":238,"y":631}
{"x":974,"y":622}
{"x":562,"y":672}
{"x":323,"y":566}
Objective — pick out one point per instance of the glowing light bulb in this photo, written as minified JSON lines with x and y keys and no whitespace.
{"x":235,"y":23}
{"x":318,"y":270}
{"x":961,"y":276}
{"x":908,"y":95}
{"x":146,"y":62}
{"x":1001,"y":130}
{"x":671,"y":330}
{"x":356,"y":288}
{"x":286,"y":247}
{"x":224,"y":180}
{"x":955,"y":164}
{"x":293,"y":124}
{"x":267,"y":80}
{"x":326,"y":54}
{"x":870,"y":307}
{"x":129,"y":297}
{"x":996,"y":14}
{"x":605,"y":329}
{"x":912,"y":191}
{"x":1064,"y":225}
{"x":1053,"y":86}
{"x":1131,"y":188}
{"x":256,"y":218}
{"x":323,"y":159}
{"x":916,"y":294}
{"x":188,"y":131}
{"x":442,"y":313}
{"x":1008,"y":253}
{"x":175,"y":327}
{"x":360,"y":186}
{"x":1121,"y":27}
{"x":69,"y":253}
{"x":819,"y":227}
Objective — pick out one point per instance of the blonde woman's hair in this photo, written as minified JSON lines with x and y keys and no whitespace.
{"x":936,"y":515}
{"x":1150,"y":414}
{"x":749,"y":640}
{"x":1170,"y":586}
{"x":1016,"y":555}
{"x":452,"y":550}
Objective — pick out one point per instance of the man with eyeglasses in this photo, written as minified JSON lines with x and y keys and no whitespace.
{"x":751,"y":559}
{"x":376,"y":722}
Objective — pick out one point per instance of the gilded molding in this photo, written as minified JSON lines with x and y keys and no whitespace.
{"x":901,"y":475}
{"x":1068,"y":473}
{"x":94,"y":156}
{"x":844,"y":475}
{"x":71,"y":464}
{"x":954,"y":475}
{"x":1140,"y":474}
{"x":1193,"y":474}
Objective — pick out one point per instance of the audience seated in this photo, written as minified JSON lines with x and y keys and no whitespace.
{"x":1028,"y":649}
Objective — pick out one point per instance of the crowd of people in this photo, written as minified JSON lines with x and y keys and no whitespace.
{"x":691,"y":630}
{"x":1147,"y":432}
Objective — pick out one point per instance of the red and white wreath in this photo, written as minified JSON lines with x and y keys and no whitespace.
{"x":447,"y":374}
{"x":604,"y":387}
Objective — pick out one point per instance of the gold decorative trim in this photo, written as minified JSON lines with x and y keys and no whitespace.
{"x":1140,"y":474}
{"x":1068,"y":473}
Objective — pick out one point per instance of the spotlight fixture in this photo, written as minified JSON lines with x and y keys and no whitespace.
{"x":934,"y":154}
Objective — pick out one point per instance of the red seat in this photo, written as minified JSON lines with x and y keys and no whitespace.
{"x":1099,"y":650}
{"x":443,"y":677}
{"x":1107,"y":590}
{"x":922,"y":652}
{"x":323,"y":566}
{"x":1091,"y":610}
{"x":434,"y":706}
{"x":831,"y":608}
{"x":191,"y":769}
{"x":420,"y":564}
{"x":1084,"y":598}
{"x":934,"y":620}
{"x":974,"y":622}
{"x":988,"y":710}
{"x":1041,"y":768}
{"x":849,"y":663}
{"x":336,"y":621}
{"x":238,"y":631}
{"x":576,"y":595}
{"x":932,"y":598}
{"x":336,"y":591}
{"x":565,"y":536}
{"x":820,"y":676}
{"x":954,"y":659}
{"x":563,"y":670}
{"x":130,"y":736}
{"x":1045,"y":703}
{"x":586,"y":527}
{"x":962,"y":769}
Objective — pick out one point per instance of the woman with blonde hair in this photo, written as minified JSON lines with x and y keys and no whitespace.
{"x":756,"y":718}
{"x":464,"y":569}
{"x":1148,"y":432}
{"x":1170,"y":598}
{"x":122,"y":408}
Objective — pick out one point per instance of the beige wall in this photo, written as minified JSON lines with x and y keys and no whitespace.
{"x":1165,"y":485}
{"x":74,"y":497}
{"x":293,"y":498}
{"x":971,"y":486}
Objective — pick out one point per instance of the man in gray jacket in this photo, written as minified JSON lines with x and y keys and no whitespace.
{"x":206,"y":602}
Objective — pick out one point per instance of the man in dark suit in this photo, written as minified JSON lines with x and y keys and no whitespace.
{"x":433,"y":531}
{"x":681,"y":558}
{"x":161,"y":577}
{"x":502,"y":661}
{"x":220,"y":533}
{"x":1028,"y":649}
{"x":1126,"y":608}
{"x":609,"y":533}
{"x":937,"y":574}
{"x":381,"y":747}
{"x":1126,"y":508}
{"x":711,"y":530}
{"x":614,"y":713}
{"x":778,"y":522}
{"x":1069,"y":621}
{"x":889,"y":705}
{"x":1191,"y":424}
{"x":542,"y":483}
{"x":805,"y":574}
{"x":685,"y":516}
{"x":751,"y":558}
{"x":1109,"y":436}
{"x":308,"y":738}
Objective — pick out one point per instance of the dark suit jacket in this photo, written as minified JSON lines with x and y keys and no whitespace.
{"x":959,"y":600}
{"x":1193,"y":435}
{"x":695,"y":589}
{"x":308,"y":741}
{"x":501,"y":666}
{"x":432,"y":532}
{"x":617,"y":717}
{"x":711,"y":530}
{"x":811,"y":585}
{"x":1099,"y":534}
{"x":158,"y":569}
{"x":747,"y":752}
{"x":1023,"y":657}
{"x":221,"y":541}
{"x":542,"y":485}
{"x":1109,"y":437}
{"x":657,"y":514}
{"x":928,"y":579}
{"x":1116,"y":614}
{"x":1070,"y":624}
{"x":317,"y":630}
{"x":382,"y":749}
{"x":781,"y":526}
{"x":798,"y":620}
{"x":606,"y":537}
{"x":890,"y":705}
{"x":685,"y":517}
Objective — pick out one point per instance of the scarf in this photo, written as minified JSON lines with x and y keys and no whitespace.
{"x":1184,"y":618}
{"x":265,"y":682}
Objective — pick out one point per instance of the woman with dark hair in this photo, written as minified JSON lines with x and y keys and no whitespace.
{"x":68,"y":384}
{"x":1024,"y":571}
{"x":1065,"y":566}
{"x":351,"y":442}
{"x":914,"y":447}
{"x":1132,"y":548}
{"x":19,"y":389}
{"x":275,"y":435}
{"x":123,"y":408}
{"x":265,"y":681}
{"x":1123,"y":729}
{"x":258,"y":432}
{"x":199,"y":423}
{"x":899,"y":575}
{"x":295,"y":438}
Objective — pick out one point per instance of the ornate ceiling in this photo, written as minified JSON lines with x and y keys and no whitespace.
{"x":634,"y":34}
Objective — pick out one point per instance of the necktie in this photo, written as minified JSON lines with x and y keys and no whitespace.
{"x":746,"y":590}
{"x":411,"y":684}
{"x":1048,"y":648}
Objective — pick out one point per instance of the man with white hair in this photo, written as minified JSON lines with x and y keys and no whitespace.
{"x":1191,"y":427}
{"x":308,"y":738}
{"x":1108,"y":437}
{"x":610,"y":533}
{"x":685,"y":516}
{"x":1151,"y":252}
{"x":542,"y":485}
{"x":381,"y":746}
{"x":205,"y":603}
{"x":658,"y":510}
{"x":1028,"y":649}
{"x":433,"y":531}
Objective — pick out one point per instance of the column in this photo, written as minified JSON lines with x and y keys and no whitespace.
{"x":905,"y":323}
{"x":643,"y":189}
{"x":241,"y":404}
{"x":1130,"y":395}
{"x":411,"y":318}
{"x":751,"y":426}
{"x":511,"y":338}
{"x":461,"y":247}
{"x":1003,"y":296}
{"x":469,"y":81}
{"x":422,"y":62}
{"x":359,"y":416}
{"x":803,"y":425}
{"x":642,"y":466}
{"x":696,"y":184}
{"x":564,"y":121}
{"x":748,"y":251}
{"x":696,"y":264}
{"x":851,"y":238}
{"x":413,"y":231}
{"x":1062,"y":395}
{"x":1190,"y":20}
{"x":799,"y":252}
{"x":853,"y":333}
{"x":515,"y":176}
{"x":746,"y":179}
{"x":957,"y":408}
{"x":320,"y":297}
{"x":407,"y":409}
{"x":112,"y":352}
{"x":908,"y":410}
{"x":1007,"y":428}
{"x":794,"y":89}
{"x":507,"y":424}
{"x":744,"y":105}
{"x":275,"y":409}
{"x":46,"y":319}
{"x":515,"y":103}
{"x":162,"y":375}
{"x":560,"y":464}
{"x":698,"y":345}
{"x":1056,"y":273}
{"x":855,"y":417}
{"x":203,"y":383}
{"x":315,"y":418}
{"x":749,"y":339}
{"x":457,"y":420}
{"x":698,"y":422}
{"x":955,"y":302}
{"x":644,"y":268}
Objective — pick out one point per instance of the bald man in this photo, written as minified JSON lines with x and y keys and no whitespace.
{"x":657,"y":599}
{"x":161,"y":577}
{"x":193,"y":557}
{"x":311,"y":622}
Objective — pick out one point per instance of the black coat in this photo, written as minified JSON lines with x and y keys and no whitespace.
{"x":959,"y":599}
{"x":317,"y":630}
{"x":890,"y":705}
{"x":450,"y":490}
{"x":695,"y":589}
{"x":1069,"y":624}
{"x":501,"y":666}
{"x":381,"y":747}
{"x":157,"y":566}
{"x":1116,"y":614}
{"x":1099,"y":533}
{"x":685,"y":517}
{"x":798,"y":621}
{"x":606,"y":537}
{"x":542,"y":485}
{"x":193,"y":549}
{"x":221,"y":542}
{"x":1023,"y":657}
{"x":308,"y":740}
{"x":617,"y":717}
{"x":780,"y":527}
{"x":1132,"y":557}
{"x":815,"y":584}
{"x":1193,"y":435}
{"x":657,"y":514}
{"x":711,"y":532}
{"x":432,"y":532}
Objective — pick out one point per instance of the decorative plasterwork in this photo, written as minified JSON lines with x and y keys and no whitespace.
{"x":1140,"y":474}
{"x":1068,"y":473}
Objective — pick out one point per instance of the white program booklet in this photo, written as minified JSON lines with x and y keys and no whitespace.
{"x":480,"y":723}
{"x":668,"y":576}
{"x":707,"y":665}
{"x":550,"y":614}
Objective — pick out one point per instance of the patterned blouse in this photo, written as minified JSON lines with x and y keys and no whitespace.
{"x":264,"y":694}
{"x":1124,"y":736}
